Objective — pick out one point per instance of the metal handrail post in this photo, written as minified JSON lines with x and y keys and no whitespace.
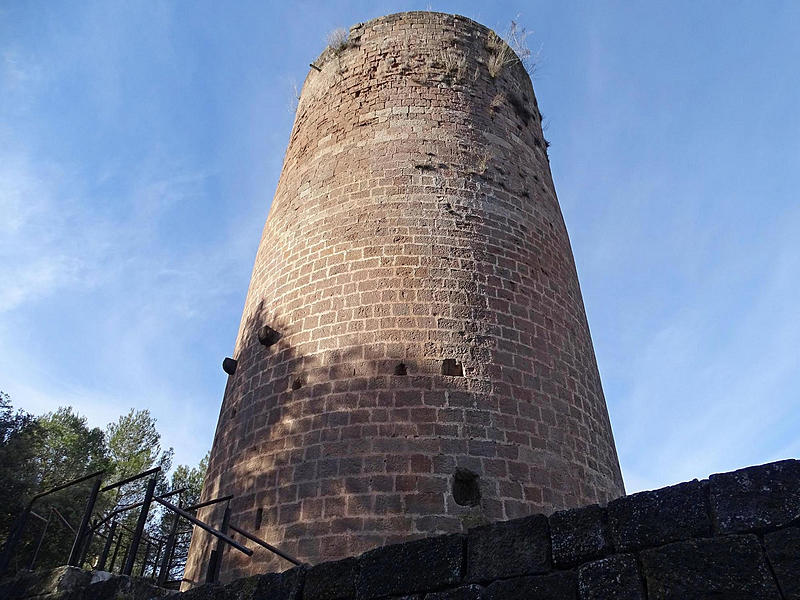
{"x":147,"y":546}
{"x":211,"y":568}
{"x":137,"y":534}
{"x":110,"y":531}
{"x":80,"y":537}
{"x":87,"y":542}
{"x":22,"y":519}
{"x":214,"y":569}
{"x":125,"y":557}
{"x":116,"y":551}
{"x":167,"y":558}
{"x":13,"y":539}
{"x":156,"y":560}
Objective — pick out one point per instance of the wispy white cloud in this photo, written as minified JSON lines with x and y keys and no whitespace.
{"x":710,"y":393}
{"x":124,"y":127}
{"x":33,"y":264}
{"x":19,"y":73}
{"x":138,"y":300}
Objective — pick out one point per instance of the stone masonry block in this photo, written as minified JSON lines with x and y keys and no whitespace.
{"x":121,"y":587}
{"x":508,"y":549}
{"x":465,"y":592}
{"x":275,"y":586}
{"x":658,"y":517}
{"x":331,"y":580}
{"x":761,"y":497}
{"x":579,"y":535}
{"x":614,"y":577}
{"x":410,"y":567}
{"x":61,"y":580}
{"x":208,"y":591}
{"x":783,"y":552}
{"x":555,"y":586}
{"x":730,"y":567}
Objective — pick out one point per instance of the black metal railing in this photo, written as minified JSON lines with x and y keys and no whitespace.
{"x":22,"y":519}
{"x":110,"y":531}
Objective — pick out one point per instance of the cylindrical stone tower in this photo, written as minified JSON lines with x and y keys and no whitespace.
{"x":414,"y":356}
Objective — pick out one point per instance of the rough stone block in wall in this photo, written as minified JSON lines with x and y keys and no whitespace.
{"x":659,"y":516}
{"x":756,"y":498}
{"x":286,"y":585}
{"x":723,"y":567}
{"x":615,"y":577}
{"x":331,"y":580}
{"x":783,"y":553}
{"x":466,"y":592}
{"x":410,"y":567}
{"x":60,"y":581}
{"x":413,"y":356}
{"x":579,"y":534}
{"x":508,"y":549}
{"x":554,"y":586}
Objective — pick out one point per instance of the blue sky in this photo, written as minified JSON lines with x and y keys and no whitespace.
{"x":141,"y":143}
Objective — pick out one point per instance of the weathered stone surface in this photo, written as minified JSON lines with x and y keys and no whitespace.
{"x":465,"y":592}
{"x":510,"y":560}
{"x":60,"y":580}
{"x":275,"y":586}
{"x":555,"y":586}
{"x":71,"y":583}
{"x":756,"y":498}
{"x":730,"y":567}
{"x":411,"y":567}
{"x":508,"y":549}
{"x":121,"y":587}
{"x":660,"y":516}
{"x":331,"y":580}
{"x":208,"y":591}
{"x":579,"y":535}
{"x":614,"y":577}
{"x":783,"y":552}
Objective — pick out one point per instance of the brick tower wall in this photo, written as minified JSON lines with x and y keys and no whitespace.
{"x":433,"y":341}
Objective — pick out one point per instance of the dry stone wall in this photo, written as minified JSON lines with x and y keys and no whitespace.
{"x":734,"y":536}
{"x":413,"y":356}
{"x":72,"y":583}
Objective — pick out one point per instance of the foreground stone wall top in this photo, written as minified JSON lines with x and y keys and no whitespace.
{"x":72,"y":583}
{"x":733,"y":536}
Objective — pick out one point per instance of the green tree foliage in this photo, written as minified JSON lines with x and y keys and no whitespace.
{"x":70,"y":449}
{"x":20,"y":439}
{"x":190,"y":478}
{"x":134,"y":445}
{"x":38,"y":453}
